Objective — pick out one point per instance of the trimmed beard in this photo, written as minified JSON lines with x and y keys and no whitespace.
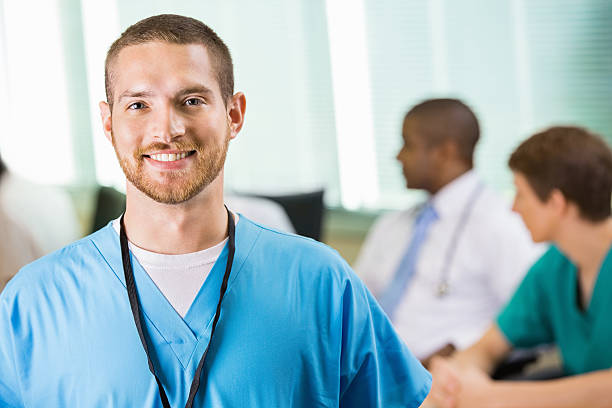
{"x":179,"y":185}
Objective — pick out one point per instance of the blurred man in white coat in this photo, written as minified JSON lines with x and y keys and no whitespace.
{"x":442,"y":269}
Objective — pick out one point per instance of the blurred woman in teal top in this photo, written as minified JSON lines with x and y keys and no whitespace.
{"x":563,"y":179}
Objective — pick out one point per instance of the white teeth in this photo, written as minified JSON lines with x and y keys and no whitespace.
{"x":168,"y":157}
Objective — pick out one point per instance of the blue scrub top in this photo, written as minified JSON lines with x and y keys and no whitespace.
{"x":297,"y":328}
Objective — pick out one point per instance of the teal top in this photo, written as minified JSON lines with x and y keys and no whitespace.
{"x":545,"y":309}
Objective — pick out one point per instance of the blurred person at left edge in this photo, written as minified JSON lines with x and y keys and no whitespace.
{"x":17,"y":248}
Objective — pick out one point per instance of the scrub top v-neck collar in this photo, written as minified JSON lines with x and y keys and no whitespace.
{"x":185,"y":336}
{"x":602,"y":283}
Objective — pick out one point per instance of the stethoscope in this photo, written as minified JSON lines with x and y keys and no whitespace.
{"x":443,"y":287}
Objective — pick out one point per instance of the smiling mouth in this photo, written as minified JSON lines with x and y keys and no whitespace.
{"x":169,"y":157}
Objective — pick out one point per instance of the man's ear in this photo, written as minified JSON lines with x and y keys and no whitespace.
{"x":448,"y":150}
{"x":107,"y":123}
{"x":558,"y":203}
{"x":443,"y":152}
{"x":236,"y":109}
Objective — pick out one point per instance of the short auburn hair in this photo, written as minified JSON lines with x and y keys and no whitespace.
{"x":174,"y":29}
{"x":572,"y":160}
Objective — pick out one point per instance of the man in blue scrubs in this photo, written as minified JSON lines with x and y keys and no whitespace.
{"x":180,"y":289}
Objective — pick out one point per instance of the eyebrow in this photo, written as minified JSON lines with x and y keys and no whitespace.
{"x":201,"y":89}
{"x":133,"y":93}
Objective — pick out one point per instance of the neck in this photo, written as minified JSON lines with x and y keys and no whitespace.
{"x":197,"y":224}
{"x":585,"y":243}
{"x":447,"y":175}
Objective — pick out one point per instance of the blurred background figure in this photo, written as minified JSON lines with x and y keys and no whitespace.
{"x":442,"y":270}
{"x":563,"y":180}
{"x":17,"y":248}
{"x":46,"y":212}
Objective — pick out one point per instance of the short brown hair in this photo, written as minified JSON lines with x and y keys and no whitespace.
{"x":573,"y":160}
{"x":449,"y":119}
{"x":174,"y":29}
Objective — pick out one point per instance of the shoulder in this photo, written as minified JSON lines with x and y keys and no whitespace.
{"x":264,"y":211}
{"x":47,"y":274}
{"x":492,"y":205}
{"x":295,"y":256}
{"x":273,"y":242}
{"x":548,"y":272}
{"x":549,"y":263}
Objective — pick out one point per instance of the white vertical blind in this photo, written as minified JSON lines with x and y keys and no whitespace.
{"x":570,"y":50}
{"x":352,"y":101}
{"x":483,"y":72}
{"x":100,"y":29}
{"x":4,"y":98}
{"x":521,"y":65}
{"x":400,"y":56}
{"x":36,"y":137}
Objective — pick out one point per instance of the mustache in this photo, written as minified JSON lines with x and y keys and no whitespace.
{"x":155,"y":147}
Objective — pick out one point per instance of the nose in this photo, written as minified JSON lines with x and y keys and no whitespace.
{"x":168,"y":125}
{"x":514,"y":205}
{"x":401,"y":155}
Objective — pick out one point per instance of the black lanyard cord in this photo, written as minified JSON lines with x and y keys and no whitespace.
{"x":135,"y":305}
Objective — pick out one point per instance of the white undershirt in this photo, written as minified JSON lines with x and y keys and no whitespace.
{"x":178,"y":277}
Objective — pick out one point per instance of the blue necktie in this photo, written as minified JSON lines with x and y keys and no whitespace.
{"x":391,"y":297}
